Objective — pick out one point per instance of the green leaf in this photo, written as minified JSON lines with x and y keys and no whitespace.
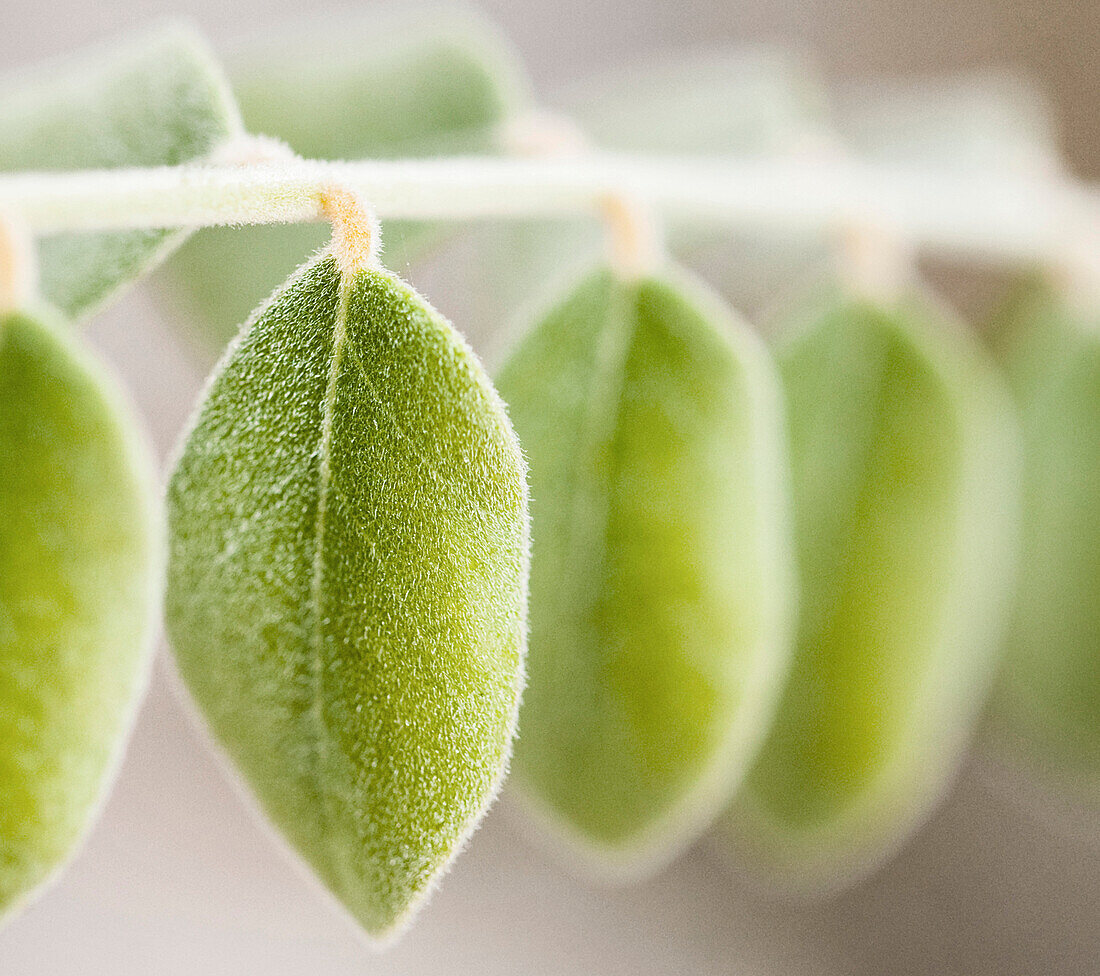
{"x":158,"y":101}
{"x":660,"y":596}
{"x":411,"y":84}
{"x":1049,"y":692}
{"x":80,"y":583}
{"x":369,"y":89}
{"x":904,"y":461}
{"x":347,"y":581}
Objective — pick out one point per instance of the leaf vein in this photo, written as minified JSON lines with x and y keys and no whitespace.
{"x":324,"y":482}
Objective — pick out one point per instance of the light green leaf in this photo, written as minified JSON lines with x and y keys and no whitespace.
{"x":80,"y":554}
{"x":158,"y":101}
{"x":1049,"y":691}
{"x":660,"y":590}
{"x":347,"y":581}
{"x":904,"y":471}
{"x":409,"y":85}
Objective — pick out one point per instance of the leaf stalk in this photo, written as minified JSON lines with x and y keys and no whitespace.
{"x":987,"y":217}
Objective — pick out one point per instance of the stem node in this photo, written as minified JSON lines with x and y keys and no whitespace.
{"x":355,"y":232}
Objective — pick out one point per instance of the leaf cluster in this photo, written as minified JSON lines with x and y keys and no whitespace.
{"x":774,"y":585}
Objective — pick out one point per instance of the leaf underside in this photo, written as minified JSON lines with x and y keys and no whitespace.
{"x":347,"y":581}
{"x":158,"y":101}
{"x":79,"y":559}
{"x":660,"y":593}
{"x":903,"y":462}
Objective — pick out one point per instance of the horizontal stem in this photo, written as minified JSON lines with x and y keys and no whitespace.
{"x":985,"y":215}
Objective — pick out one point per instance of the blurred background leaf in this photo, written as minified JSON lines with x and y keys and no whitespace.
{"x":1048,"y":701}
{"x":661,"y":576}
{"x":904,"y":477}
{"x":157,"y":100}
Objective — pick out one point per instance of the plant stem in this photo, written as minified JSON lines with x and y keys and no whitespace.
{"x":981,"y":215}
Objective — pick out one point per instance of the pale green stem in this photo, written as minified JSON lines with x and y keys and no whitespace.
{"x":980,"y":215}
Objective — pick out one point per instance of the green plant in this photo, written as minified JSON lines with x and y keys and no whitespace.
{"x":347,"y":515}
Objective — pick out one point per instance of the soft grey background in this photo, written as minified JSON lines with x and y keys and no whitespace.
{"x":178,"y":879}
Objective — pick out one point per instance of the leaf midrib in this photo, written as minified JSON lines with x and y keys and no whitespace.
{"x":324,"y":481}
{"x":605,"y":397}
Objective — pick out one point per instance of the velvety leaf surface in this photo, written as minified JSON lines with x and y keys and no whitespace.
{"x":1049,"y":692}
{"x":347,"y":581}
{"x":79,"y":592}
{"x":390,"y":88}
{"x":904,"y":472}
{"x":159,"y":101}
{"x":660,"y":593}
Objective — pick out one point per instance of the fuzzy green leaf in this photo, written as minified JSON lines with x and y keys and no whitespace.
{"x":660,"y":594}
{"x":347,"y":581}
{"x":158,"y":101}
{"x":406,"y":87}
{"x":904,"y":460}
{"x":79,"y":594}
{"x":1049,"y":691}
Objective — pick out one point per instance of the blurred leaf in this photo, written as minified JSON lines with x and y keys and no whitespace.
{"x":1049,"y":693}
{"x":158,"y":101}
{"x":79,"y":591}
{"x":904,"y":472}
{"x":660,"y":596}
{"x":990,"y":121}
{"x":414,"y":85}
{"x":347,"y":581}
{"x":747,"y":102}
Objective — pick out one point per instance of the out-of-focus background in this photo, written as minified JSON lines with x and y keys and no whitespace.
{"x":178,"y":879}
{"x":1055,"y":41}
